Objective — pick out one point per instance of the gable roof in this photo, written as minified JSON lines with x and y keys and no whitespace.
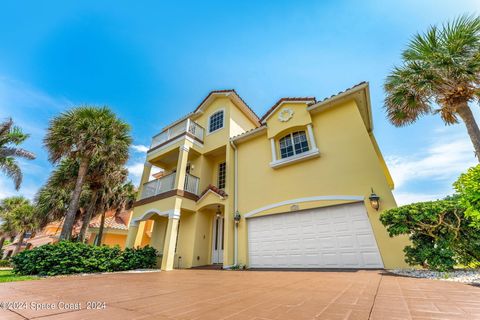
{"x":359,"y":93}
{"x":307,"y":100}
{"x":231,"y":94}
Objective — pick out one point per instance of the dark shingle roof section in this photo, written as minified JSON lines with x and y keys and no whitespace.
{"x":286,"y":99}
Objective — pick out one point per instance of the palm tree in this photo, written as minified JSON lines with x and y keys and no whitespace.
{"x":440,"y":74}
{"x":19,"y":217}
{"x":24,"y":219}
{"x":84,"y":133}
{"x":101,"y":172}
{"x":53,"y":198}
{"x":10,"y":137}
{"x":116,"y":195}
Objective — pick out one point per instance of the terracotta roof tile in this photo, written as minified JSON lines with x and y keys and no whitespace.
{"x":112,"y":221}
{"x":340,"y":92}
{"x":211,"y":187}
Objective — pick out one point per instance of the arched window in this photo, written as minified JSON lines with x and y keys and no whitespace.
{"x":216,"y":121}
{"x":293,"y":143}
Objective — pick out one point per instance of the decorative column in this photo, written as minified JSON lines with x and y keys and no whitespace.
{"x":132,"y":234}
{"x":147,"y":168}
{"x":170,"y":243}
{"x":274,"y":152}
{"x":311,"y":137}
{"x":181,"y":167}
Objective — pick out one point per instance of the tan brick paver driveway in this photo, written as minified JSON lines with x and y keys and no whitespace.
{"x":208,"y":294}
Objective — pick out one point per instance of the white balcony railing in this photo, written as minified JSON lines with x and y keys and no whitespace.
{"x":191,"y":184}
{"x":158,"y":186}
{"x":167,"y":183}
{"x":183,"y":127}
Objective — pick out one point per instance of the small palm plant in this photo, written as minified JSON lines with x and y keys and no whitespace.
{"x":10,"y":137}
{"x":83,"y":134}
{"x":19,"y":216}
{"x":440,"y":74}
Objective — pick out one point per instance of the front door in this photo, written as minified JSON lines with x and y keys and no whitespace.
{"x":217,"y":245}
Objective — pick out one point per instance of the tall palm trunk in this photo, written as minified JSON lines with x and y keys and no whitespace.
{"x":466,"y":114}
{"x":66,"y":233}
{"x":88,"y":216}
{"x":100,"y":230}
{"x":19,"y":244}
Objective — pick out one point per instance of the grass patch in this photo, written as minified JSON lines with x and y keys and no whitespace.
{"x":9,"y":276}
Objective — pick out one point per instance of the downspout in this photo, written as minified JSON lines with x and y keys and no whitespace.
{"x":235,"y":202}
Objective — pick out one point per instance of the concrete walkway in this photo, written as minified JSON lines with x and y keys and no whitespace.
{"x":210,"y":294}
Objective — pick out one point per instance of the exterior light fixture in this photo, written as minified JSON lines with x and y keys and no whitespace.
{"x":219,"y":212}
{"x":374,"y":200}
{"x":236,"y":217}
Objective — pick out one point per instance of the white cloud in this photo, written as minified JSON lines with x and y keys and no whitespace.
{"x":410,"y":197}
{"x":135,"y":170}
{"x":439,"y":164}
{"x":140,"y":148}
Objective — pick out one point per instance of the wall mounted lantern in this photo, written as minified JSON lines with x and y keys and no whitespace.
{"x":374,"y":200}
{"x":236,"y":217}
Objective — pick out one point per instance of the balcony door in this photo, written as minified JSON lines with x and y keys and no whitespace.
{"x":217,"y":243}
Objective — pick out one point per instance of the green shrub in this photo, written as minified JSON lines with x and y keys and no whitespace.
{"x":442,"y":236}
{"x":468,"y":188}
{"x":74,"y":257}
{"x":4,"y":263}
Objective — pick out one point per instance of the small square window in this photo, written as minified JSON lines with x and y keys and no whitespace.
{"x":216,"y":121}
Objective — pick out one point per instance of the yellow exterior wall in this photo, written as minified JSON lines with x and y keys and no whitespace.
{"x":110,"y":239}
{"x":301,"y":117}
{"x":348,"y":165}
{"x":202,"y":253}
{"x":185,"y":242}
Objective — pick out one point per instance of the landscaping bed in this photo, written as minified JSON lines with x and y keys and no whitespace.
{"x":465,"y":276}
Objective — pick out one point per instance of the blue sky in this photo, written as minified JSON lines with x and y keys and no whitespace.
{"x":153,"y":61}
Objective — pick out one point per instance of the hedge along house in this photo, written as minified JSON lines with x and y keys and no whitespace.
{"x":293,"y":189}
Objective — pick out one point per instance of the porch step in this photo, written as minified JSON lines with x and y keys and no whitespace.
{"x":209,"y":267}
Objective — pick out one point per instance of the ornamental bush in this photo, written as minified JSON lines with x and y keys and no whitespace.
{"x":441,"y":234}
{"x":468,"y":189}
{"x":68,"y":257}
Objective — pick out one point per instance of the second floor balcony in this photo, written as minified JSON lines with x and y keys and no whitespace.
{"x":167,"y":183}
{"x":186,"y":127}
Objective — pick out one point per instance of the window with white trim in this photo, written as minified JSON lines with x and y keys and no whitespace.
{"x":216,"y":121}
{"x":222,"y":175}
{"x":293,"y":143}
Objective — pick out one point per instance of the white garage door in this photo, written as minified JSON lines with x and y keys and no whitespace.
{"x":332,"y":237}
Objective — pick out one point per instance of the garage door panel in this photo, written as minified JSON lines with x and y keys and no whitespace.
{"x":332,"y":237}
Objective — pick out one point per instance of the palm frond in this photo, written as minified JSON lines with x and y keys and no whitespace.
{"x":16,"y":152}
{"x":11,"y":168}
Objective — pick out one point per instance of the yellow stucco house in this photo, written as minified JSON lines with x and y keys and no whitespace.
{"x":291,"y":189}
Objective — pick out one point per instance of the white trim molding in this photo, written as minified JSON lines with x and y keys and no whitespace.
{"x":174,"y":214}
{"x":146,"y":215}
{"x":307,"y":199}
{"x":313,"y":153}
{"x":208,"y":192}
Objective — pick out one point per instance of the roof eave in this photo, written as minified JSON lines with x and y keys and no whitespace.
{"x":324,"y":104}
